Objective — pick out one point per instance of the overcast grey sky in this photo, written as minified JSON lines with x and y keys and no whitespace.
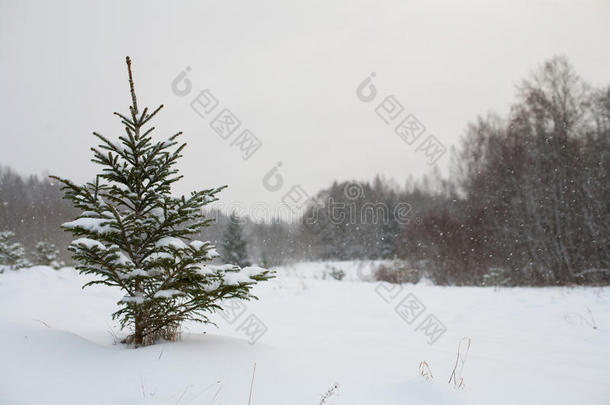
{"x":287,"y":69}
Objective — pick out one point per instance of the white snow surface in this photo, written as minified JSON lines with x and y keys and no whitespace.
{"x":242,"y":276}
{"x":171,"y":241}
{"x":197,"y":244}
{"x":529,"y":345}
{"x":134,"y":273}
{"x":88,"y":243}
{"x":167,"y":293}
{"x":99,"y":225}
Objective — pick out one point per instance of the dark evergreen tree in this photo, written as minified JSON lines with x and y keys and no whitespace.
{"x":12,"y":254}
{"x":133,"y":234}
{"x":389,"y":231}
{"x":47,"y":255}
{"x":234,"y":247}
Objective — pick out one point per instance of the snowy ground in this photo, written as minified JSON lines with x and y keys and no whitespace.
{"x":530,"y":346}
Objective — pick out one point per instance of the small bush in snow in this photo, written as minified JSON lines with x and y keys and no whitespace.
{"x":335,"y":273}
{"x":398,"y":272}
{"x":133,"y":234}
{"x":47,"y":255}
{"x":497,"y":277}
{"x":12,"y":254}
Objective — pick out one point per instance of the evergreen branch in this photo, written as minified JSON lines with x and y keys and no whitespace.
{"x":169,"y":278}
{"x":102,"y":262}
{"x":125,"y":120}
{"x":151,"y":115}
{"x":148,"y":131}
{"x":110,"y":146}
{"x":125,"y":239}
{"x":140,"y":123}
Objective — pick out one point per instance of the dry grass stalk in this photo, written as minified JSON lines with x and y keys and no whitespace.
{"x":456,"y":375}
{"x":425,"y":370}
{"x":329,"y":393}
{"x":252,"y":384}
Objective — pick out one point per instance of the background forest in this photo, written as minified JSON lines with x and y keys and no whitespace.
{"x":527,"y":201}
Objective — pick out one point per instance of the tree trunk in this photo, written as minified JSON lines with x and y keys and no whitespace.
{"x":138,"y":336}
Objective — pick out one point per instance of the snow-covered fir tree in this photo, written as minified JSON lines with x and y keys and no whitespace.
{"x":47,"y":254}
{"x":389,"y":232}
{"x":12,"y":254}
{"x":234,"y":246}
{"x":133,"y":234}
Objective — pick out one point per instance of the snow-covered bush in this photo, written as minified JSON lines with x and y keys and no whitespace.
{"x":497,"y":277}
{"x":47,"y":254}
{"x":397,"y":272}
{"x":12,"y":254}
{"x":334,"y":272}
{"x":133,"y":234}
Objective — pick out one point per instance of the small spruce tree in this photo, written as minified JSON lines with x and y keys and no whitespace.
{"x":47,"y":255}
{"x":265,"y":260}
{"x":389,"y":231}
{"x":134,"y":235}
{"x":12,"y":254}
{"x":234,"y":247}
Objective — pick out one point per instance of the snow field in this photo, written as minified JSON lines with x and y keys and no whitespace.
{"x":538,"y":346}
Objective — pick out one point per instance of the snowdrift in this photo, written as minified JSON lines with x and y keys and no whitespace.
{"x":58,"y":345}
